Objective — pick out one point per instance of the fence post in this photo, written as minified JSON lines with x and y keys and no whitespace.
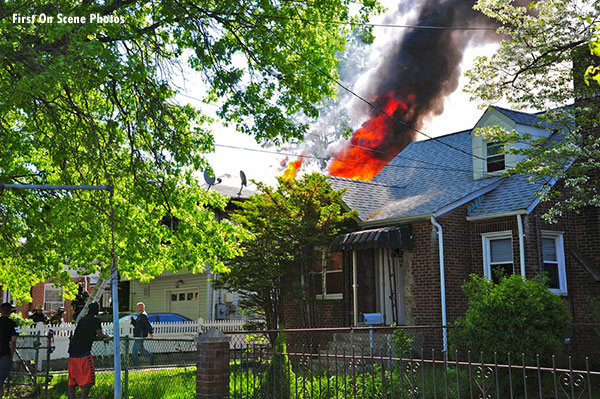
{"x":212,"y":369}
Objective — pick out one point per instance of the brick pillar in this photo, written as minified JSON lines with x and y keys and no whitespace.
{"x":212,"y":367}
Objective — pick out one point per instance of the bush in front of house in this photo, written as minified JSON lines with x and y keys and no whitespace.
{"x":514,"y":316}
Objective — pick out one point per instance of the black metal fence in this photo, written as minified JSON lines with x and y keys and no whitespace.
{"x":333,"y":363}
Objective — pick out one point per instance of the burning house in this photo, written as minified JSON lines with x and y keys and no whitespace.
{"x":436,"y":213}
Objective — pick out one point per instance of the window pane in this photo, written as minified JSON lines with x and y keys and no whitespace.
{"x":493,"y":148}
{"x":501,"y":250}
{"x":334,"y":283}
{"x":495,"y":163}
{"x":335,"y":261}
{"x":318,"y":283}
{"x":503,"y":269}
{"x":551,"y":270}
{"x":549,"y":249}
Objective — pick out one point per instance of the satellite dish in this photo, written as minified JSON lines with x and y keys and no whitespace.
{"x":244,"y":182}
{"x":209,"y":179}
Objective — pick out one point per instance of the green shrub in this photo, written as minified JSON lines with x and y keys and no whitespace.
{"x":515,"y":316}
{"x":402,"y":343}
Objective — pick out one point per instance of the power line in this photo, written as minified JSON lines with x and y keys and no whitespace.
{"x":442,"y":167}
{"x":375,"y":107}
{"x":356,"y":23}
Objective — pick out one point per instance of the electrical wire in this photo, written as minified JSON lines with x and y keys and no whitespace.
{"x":355,"y":23}
{"x":442,"y":167}
{"x":372,"y":105}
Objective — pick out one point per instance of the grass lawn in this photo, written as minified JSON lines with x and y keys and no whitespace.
{"x":178,"y":383}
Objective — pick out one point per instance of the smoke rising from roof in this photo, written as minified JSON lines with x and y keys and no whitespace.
{"x":420,"y":69}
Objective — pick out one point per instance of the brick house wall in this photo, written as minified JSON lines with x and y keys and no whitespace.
{"x":463,"y":255}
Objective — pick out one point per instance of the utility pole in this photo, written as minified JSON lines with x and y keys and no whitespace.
{"x":114,"y":272}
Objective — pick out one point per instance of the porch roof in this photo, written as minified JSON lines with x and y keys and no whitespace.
{"x":386,"y":237}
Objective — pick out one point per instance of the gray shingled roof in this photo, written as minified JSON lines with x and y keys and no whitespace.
{"x":232,"y":192}
{"x":522,"y":118}
{"x":432,"y":174}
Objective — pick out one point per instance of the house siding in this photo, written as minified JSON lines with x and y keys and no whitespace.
{"x":154,"y":293}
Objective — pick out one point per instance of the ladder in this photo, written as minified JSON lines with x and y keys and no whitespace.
{"x":393,"y":287}
{"x":96,"y":293}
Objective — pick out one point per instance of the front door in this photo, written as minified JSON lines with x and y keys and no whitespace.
{"x":390,"y":286}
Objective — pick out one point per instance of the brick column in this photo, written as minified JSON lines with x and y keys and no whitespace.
{"x":212,"y":367}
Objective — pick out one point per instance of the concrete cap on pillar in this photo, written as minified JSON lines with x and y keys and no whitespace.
{"x":212,"y":335}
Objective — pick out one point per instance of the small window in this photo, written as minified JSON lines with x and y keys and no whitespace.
{"x":497,"y":255}
{"x":328,"y":277}
{"x":494,"y":159}
{"x":554,"y":261}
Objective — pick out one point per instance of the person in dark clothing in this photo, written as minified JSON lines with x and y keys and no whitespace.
{"x":81,"y":364}
{"x":141,"y":329}
{"x":38,"y":315}
{"x":8,"y":343}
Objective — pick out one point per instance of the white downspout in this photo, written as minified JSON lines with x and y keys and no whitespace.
{"x":521,"y":245}
{"x":442,"y":282}
{"x":354,"y":289}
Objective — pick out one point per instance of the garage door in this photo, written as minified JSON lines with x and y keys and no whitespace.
{"x":184,"y":301}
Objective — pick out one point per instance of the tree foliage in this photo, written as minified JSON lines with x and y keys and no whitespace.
{"x":516,"y":315}
{"x":289,"y":224}
{"x":541,"y":65}
{"x":93,"y":103}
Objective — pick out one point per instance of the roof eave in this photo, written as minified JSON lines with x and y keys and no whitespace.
{"x":392,"y":221}
{"x":498,"y":215}
{"x":467,"y":198}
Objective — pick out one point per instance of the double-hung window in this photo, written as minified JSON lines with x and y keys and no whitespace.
{"x":53,"y":298}
{"x":553,"y":258}
{"x":495,"y":160}
{"x":327,"y":276}
{"x":497,"y":255}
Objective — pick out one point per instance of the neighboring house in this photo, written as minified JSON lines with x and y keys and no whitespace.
{"x":451,"y":187}
{"x":51,"y":299}
{"x":188,"y":294}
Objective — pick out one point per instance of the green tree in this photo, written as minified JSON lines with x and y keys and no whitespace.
{"x":516,"y":315}
{"x":92,"y":102}
{"x":541,"y":65}
{"x":289,"y":225}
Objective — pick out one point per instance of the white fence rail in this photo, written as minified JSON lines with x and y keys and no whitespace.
{"x":63,"y":332}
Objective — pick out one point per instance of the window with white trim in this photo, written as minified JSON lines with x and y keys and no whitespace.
{"x":495,"y":161}
{"x":497,"y":255}
{"x":328,"y":276}
{"x":553,"y":257}
{"x":53,"y":298}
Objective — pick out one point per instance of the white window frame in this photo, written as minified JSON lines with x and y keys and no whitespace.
{"x":560,"y":257}
{"x":51,"y":286}
{"x":485,"y":241}
{"x":487,"y":157}
{"x":323,"y":274}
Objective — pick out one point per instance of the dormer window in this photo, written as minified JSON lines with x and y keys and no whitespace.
{"x":494,"y":160}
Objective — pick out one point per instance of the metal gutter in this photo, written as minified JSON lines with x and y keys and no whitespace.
{"x":521,"y":245}
{"x":442,"y":282}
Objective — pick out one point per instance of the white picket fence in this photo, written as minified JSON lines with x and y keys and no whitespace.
{"x":63,"y":332}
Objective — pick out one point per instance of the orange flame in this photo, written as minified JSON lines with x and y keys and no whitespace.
{"x":358,"y":160}
{"x":292,"y":168}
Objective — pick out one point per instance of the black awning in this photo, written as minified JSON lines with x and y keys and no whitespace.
{"x":386,"y":237}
